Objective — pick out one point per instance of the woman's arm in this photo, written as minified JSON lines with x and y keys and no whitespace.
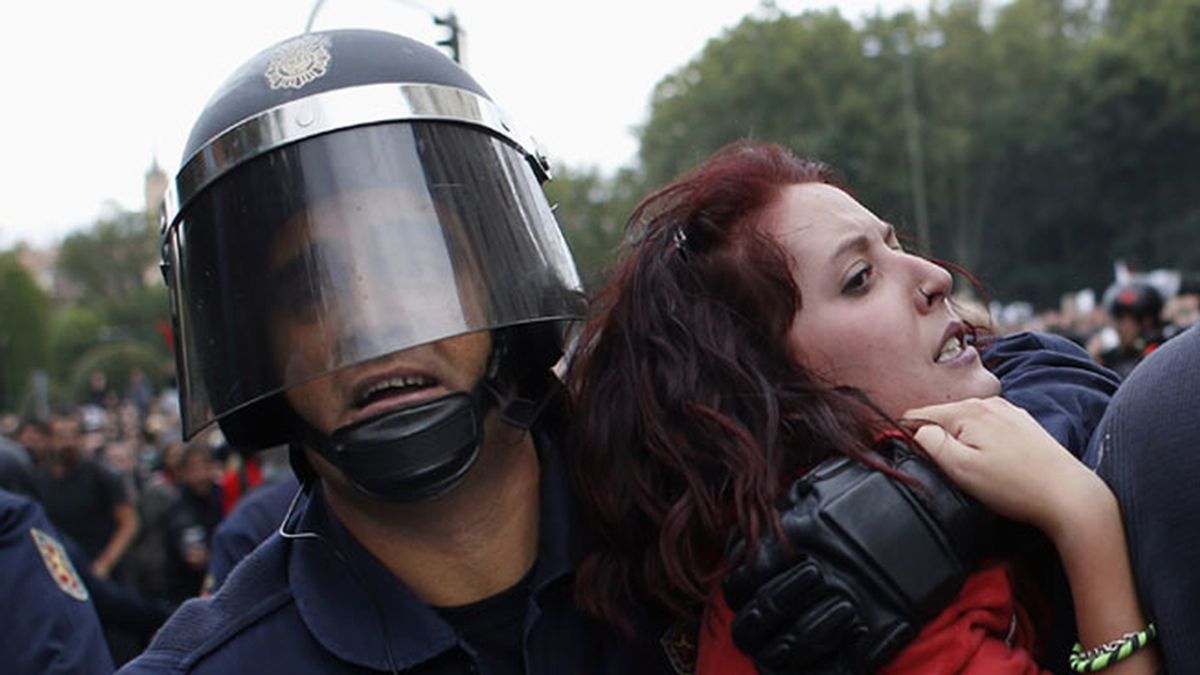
{"x":999,"y":454}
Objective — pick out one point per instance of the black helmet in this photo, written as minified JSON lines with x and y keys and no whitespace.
{"x":1138,"y":300}
{"x":362,"y":182}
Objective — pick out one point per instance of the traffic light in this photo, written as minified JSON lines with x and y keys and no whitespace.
{"x":450,"y":21}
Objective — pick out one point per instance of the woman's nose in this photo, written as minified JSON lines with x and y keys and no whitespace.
{"x":933,"y":284}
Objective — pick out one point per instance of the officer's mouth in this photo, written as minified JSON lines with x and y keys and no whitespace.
{"x":381,"y":393}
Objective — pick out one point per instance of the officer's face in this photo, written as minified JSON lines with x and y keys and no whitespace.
{"x":397,"y":381}
{"x":338,"y":299}
{"x":871,"y":315}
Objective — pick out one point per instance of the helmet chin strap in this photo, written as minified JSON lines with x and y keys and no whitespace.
{"x":421,"y":452}
{"x":410,"y":454}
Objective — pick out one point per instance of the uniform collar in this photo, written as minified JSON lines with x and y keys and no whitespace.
{"x":357,"y":609}
{"x":352,"y":604}
{"x":557,"y":513}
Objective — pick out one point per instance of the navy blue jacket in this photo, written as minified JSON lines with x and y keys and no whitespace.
{"x":1146,"y":449}
{"x":1067,"y":392}
{"x":248,"y":525}
{"x":324,"y":605}
{"x":1056,"y":381}
{"x":50,"y":625}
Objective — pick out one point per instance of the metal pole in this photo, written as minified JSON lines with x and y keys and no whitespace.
{"x":916,"y":156}
{"x":450,"y":20}
{"x":312,"y":15}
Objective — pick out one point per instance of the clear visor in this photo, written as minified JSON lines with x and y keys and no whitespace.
{"x":353,"y":245}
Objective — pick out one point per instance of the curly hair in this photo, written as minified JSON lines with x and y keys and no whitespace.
{"x":689,"y":409}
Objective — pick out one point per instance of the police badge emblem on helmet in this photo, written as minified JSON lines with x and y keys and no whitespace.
{"x":297,"y":62}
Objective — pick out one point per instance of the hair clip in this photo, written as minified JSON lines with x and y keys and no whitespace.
{"x":680,"y":240}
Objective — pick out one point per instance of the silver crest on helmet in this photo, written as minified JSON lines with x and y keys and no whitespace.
{"x":297,"y":62}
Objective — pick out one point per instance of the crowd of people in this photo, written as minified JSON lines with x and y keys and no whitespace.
{"x":1133,"y":319}
{"x":135,"y":504}
{"x":780,"y":447}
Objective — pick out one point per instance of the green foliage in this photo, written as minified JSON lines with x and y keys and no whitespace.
{"x":116,"y":304}
{"x":24,"y":324}
{"x":73,"y":331}
{"x":111,"y":260}
{"x":1043,"y":138}
{"x":114,"y":359}
{"x":772,"y":77}
{"x":592,"y":210}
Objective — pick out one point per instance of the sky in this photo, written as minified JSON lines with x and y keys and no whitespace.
{"x":94,"y":91}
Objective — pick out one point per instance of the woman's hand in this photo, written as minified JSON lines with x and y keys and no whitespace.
{"x":1000,"y":455}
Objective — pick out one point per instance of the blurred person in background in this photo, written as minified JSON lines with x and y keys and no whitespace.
{"x":139,"y":391}
{"x":34,"y":435}
{"x":191,"y":521}
{"x":147,"y":557}
{"x":16,"y":468}
{"x":120,"y":457}
{"x":1136,"y":310}
{"x":85,"y":500}
{"x":97,"y":390}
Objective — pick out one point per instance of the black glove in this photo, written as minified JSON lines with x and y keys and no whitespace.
{"x":868,"y":560}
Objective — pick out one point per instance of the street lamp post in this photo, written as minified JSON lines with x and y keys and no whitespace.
{"x":916,"y":157}
{"x":454,"y":42}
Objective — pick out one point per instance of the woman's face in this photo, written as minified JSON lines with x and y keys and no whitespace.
{"x":872,"y":316}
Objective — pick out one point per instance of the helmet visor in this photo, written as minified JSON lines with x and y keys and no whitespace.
{"x":353,"y":245}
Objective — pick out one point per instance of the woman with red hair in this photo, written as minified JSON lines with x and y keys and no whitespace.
{"x":762,"y":322}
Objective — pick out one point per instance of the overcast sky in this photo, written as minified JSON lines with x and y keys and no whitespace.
{"x":95,"y":90}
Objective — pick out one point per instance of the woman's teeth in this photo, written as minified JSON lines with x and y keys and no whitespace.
{"x":951,"y":349}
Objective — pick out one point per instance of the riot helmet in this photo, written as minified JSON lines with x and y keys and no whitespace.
{"x":344,"y":196}
{"x":1137,"y":300}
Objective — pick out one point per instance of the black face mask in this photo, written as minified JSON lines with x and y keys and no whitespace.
{"x":411,"y":454}
{"x":423,"y":451}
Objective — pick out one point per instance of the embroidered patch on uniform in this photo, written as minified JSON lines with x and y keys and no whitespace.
{"x":297,"y":62}
{"x":59,"y":565}
{"x":679,"y":644}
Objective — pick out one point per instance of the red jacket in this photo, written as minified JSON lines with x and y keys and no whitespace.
{"x":983,"y":632}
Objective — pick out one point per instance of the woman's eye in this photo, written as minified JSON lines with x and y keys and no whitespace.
{"x":858,"y":282}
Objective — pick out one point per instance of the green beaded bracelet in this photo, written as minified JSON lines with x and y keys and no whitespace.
{"x":1099,"y":658}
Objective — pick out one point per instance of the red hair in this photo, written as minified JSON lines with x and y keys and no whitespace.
{"x":689,"y":409}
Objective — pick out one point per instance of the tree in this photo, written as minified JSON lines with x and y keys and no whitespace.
{"x":803,"y":81}
{"x":121,"y":297}
{"x":592,"y":210}
{"x":24,"y":325}
{"x":110,"y":261}
{"x":1047,"y":137}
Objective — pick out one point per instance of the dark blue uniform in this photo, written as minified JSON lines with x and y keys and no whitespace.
{"x":50,"y":625}
{"x":1056,"y":381}
{"x":323,"y":604}
{"x":1067,"y":392}
{"x":1147,"y":450}
{"x":251,"y":522}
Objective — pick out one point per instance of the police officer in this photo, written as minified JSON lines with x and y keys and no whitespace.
{"x":50,"y":623}
{"x":1136,"y":311}
{"x":1145,"y":449}
{"x":362,"y":265}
